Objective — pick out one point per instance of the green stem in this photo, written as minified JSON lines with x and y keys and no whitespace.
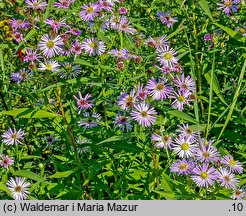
{"x":210,"y":94}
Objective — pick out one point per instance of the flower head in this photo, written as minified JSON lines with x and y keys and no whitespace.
{"x":166,"y":56}
{"x":166,"y":18}
{"x":144,"y":115}
{"x":227,"y":179}
{"x":50,"y":65}
{"x":127,"y":101}
{"x":122,"y":122}
{"x":93,"y":46}
{"x":162,"y":141}
{"x":55,"y":25}
{"x":11,"y":137}
{"x":89,"y":12}
{"x":36,"y":4}
{"x":183,"y":167}
{"x":19,"y":188}
{"x":83,"y":102}
{"x":233,"y":165}
{"x":90,"y":120}
{"x":239,"y":193}
{"x":185,"y":84}
{"x":5,"y":161}
{"x":187,"y":131}
{"x":63,"y":3}
{"x":229,"y":6}
{"x":207,"y":154}
{"x":184,"y":147}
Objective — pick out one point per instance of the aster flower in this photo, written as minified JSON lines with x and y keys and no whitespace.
{"x":122,"y":10}
{"x":241,"y":30}
{"x":18,"y":37}
{"x":166,"y":18}
{"x":234,"y":166}
{"x":63,"y":3}
{"x":36,"y":4}
{"x":161,"y":41}
{"x":187,"y":131}
{"x":93,"y":46}
{"x":184,"y":83}
{"x":5,"y":161}
{"x":31,"y":56}
{"x":74,"y":31}
{"x":229,"y":6}
{"x":50,"y":65}
{"x":166,"y":56}
{"x":82,"y":145}
{"x":15,"y":77}
{"x":207,"y":154}
{"x":83,"y":102}
{"x":227,"y":179}
{"x":204,"y":176}
{"x":142,"y":93}
{"x":70,"y":71}
{"x":124,"y":26}
{"x":76,"y":49}
{"x":55,"y":25}
{"x":105,"y":5}
{"x":122,"y":54}
{"x":50,"y":139}
{"x":181,"y":99}
{"x":90,"y":120}
{"x":20,"y":76}
{"x":19,"y":188}
{"x":144,"y":115}
{"x":19,"y":24}
{"x":89,"y":12}
{"x":11,"y":137}
{"x":122,"y":122}
{"x":159,"y":90}
{"x":164,"y":141}
{"x":184,"y":147}
{"x":239,"y":194}
{"x":127,"y":101}
{"x":50,"y":47}
{"x":182,"y":167}
{"x":208,"y":37}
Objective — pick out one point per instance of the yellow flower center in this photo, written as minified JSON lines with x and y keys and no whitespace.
{"x":165,"y":138}
{"x":94,"y":45}
{"x":203,"y":175}
{"x":18,"y":189}
{"x":160,"y":86}
{"x":206,"y":143}
{"x":241,"y":30}
{"x":183,"y":166}
{"x":50,"y":44}
{"x":228,"y":4}
{"x":181,"y":98}
{"x":49,"y":67}
{"x":68,"y":67}
{"x":89,"y":10}
{"x":168,"y":56}
{"x":185,"y":146}
{"x":206,"y":154}
{"x":143,"y":113}
{"x":13,"y":136}
{"x":227,"y":178}
{"x":232,"y":162}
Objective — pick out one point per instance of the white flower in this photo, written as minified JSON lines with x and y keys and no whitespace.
{"x":51,"y":65}
{"x":19,"y":188}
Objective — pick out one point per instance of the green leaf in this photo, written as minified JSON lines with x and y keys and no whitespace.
{"x":232,"y":33}
{"x":5,"y":189}
{"x":110,"y":139}
{"x":29,"y":175}
{"x":47,"y":12}
{"x":169,"y":195}
{"x":30,"y":113}
{"x":124,"y":146}
{"x":175,"y":32}
{"x":204,"y":5}
{"x":182,"y":115}
{"x":61,"y":158}
{"x":63,"y":174}
{"x":83,"y":62}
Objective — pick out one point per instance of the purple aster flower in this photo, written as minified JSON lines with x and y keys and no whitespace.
{"x":122,"y":54}
{"x":76,"y":49}
{"x":239,"y":194}
{"x":18,"y":188}
{"x":74,"y":31}
{"x":184,"y":147}
{"x":55,"y":25}
{"x":142,"y":93}
{"x":185,"y":130}
{"x":208,"y":37}
{"x":161,"y":41}
{"x":159,"y":90}
{"x":127,"y":101}
{"x":63,"y":3}
{"x":5,"y":161}
{"x":122,"y":10}
{"x":105,"y":5}
{"x":207,"y":154}
{"x":93,"y":46}
{"x":144,"y":115}
{"x":182,"y":167}
{"x":166,"y":18}
{"x":234,"y":166}
{"x":36,"y":4}
{"x":18,"y":37}
{"x":90,"y":120}
{"x":166,"y":56}
{"x":19,"y":24}
{"x":83,"y":102}
{"x":50,"y":47}
{"x":89,"y":12}
{"x":124,"y":26}
{"x":70,"y":71}
{"x":15,"y":77}
{"x":11,"y":137}
{"x":122,"y":122}
{"x":204,"y":176}
{"x":181,"y":99}
{"x":31,"y":56}
{"x":184,"y":83}
{"x":50,"y":139}
{"x":206,"y":143}
{"x":229,"y":6}
{"x":164,"y":141}
{"x":227,"y":179}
